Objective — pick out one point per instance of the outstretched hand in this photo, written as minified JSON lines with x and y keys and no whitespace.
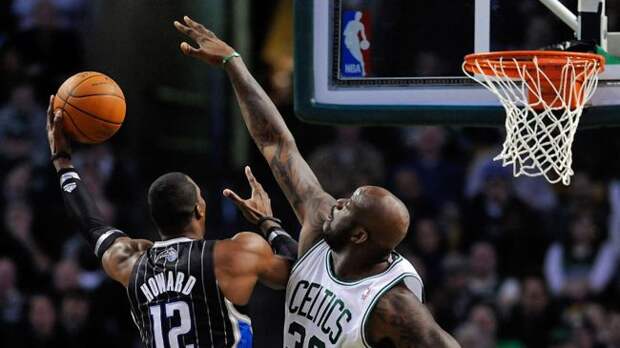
{"x":210,"y":48}
{"x":255,"y":207}
{"x":55,"y":134}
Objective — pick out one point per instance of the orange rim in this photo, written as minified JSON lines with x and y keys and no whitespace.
{"x":509,"y":62}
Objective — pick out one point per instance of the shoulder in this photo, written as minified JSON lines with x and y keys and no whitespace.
{"x":396,"y":299}
{"x":119,"y":260}
{"x":242,"y":249}
{"x":398,"y":314}
{"x":250,"y":242}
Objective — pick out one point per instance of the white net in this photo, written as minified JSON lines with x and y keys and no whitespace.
{"x":542,"y":114}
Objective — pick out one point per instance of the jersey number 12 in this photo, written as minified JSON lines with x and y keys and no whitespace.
{"x":170,"y":309}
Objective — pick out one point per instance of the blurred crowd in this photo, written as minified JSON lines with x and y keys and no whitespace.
{"x":506,"y":262}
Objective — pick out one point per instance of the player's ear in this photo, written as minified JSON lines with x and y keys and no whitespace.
{"x":359,"y":236}
{"x":199,"y":212}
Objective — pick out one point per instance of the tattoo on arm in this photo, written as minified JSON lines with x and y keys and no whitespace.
{"x":400,"y":320}
{"x":275,"y":141}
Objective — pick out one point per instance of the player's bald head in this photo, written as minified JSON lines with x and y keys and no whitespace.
{"x":372,"y":219}
{"x":383,"y":215}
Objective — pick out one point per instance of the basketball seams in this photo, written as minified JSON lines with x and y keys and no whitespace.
{"x":93,"y":115}
{"x":81,"y":82}
{"x":76,"y":126}
{"x":97,"y":95}
{"x":66,"y":102}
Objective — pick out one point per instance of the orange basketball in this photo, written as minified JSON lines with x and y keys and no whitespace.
{"x":93,"y":107}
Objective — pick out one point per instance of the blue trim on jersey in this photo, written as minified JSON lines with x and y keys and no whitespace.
{"x":246,"y":335}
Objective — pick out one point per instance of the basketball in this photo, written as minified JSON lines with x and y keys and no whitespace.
{"x":365,"y":44}
{"x":93,"y":107}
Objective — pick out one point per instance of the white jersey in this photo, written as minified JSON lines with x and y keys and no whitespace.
{"x":322,"y":311}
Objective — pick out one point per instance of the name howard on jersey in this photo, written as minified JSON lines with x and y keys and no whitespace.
{"x":163,"y":282}
{"x":321,"y":306}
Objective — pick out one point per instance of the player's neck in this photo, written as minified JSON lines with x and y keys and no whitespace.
{"x":352,"y":266}
{"x":191,"y":232}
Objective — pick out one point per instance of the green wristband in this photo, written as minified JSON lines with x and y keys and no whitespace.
{"x":229,"y":57}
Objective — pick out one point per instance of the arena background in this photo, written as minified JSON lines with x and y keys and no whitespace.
{"x":506,"y":262}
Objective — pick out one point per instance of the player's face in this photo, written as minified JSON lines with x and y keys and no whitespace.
{"x":339,"y":224}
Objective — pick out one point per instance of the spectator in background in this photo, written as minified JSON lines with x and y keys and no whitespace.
{"x":22,"y":126}
{"x":498,"y":217}
{"x":11,"y":301}
{"x":19,"y":244}
{"x":483,"y":317}
{"x":427,"y":244}
{"x":533,"y":319}
{"x":483,"y":279}
{"x":468,"y":335}
{"x":11,"y":70}
{"x":348,"y":163}
{"x":42,"y":325}
{"x":66,"y":277}
{"x":612,"y":334}
{"x":452,"y":299}
{"x":75,"y":321}
{"x":68,"y":12}
{"x":583,"y":264}
{"x":440,"y":179}
{"x":39,"y":42}
{"x":409,"y":189}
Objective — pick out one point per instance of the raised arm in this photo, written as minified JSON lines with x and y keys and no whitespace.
{"x":117,"y":251}
{"x":301,"y":187}
{"x":400,"y":320}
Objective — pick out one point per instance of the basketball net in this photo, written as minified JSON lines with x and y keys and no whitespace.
{"x":543,"y":101}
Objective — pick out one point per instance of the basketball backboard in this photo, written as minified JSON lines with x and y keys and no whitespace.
{"x":399,"y":61}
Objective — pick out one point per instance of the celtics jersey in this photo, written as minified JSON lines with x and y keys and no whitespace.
{"x":322,"y":311}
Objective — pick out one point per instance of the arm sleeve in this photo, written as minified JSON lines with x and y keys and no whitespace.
{"x":84,"y":213}
{"x":283,"y":244}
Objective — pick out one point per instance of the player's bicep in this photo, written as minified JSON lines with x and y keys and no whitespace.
{"x":119,"y":259}
{"x":400,"y":320}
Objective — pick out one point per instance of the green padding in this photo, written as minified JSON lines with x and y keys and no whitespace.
{"x":398,"y":115}
{"x":609,"y":59}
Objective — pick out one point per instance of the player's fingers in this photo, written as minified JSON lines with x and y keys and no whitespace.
{"x":192,"y":23}
{"x":198,"y":27}
{"x":184,"y":29}
{"x":188,"y":50}
{"x":251,"y":179}
{"x":230,"y":194}
{"x":57,"y":119}
{"x":50,"y":114}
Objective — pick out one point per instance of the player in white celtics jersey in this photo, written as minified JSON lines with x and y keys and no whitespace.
{"x":349,"y":288}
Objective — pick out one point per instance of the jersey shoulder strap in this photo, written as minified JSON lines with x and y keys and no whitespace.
{"x":318,"y":249}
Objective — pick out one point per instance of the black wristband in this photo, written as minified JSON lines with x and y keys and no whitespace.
{"x":268,"y":218}
{"x":61,"y":154}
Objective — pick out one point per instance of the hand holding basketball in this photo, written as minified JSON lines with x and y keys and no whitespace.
{"x":210,"y":48}
{"x":364,"y":44}
{"x":55,"y":134}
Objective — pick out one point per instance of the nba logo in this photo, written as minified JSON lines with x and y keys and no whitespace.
{"x":355,"y":44}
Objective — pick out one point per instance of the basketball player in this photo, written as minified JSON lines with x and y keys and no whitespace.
{"x":349,"y":288}
{"x":184,"y":291}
